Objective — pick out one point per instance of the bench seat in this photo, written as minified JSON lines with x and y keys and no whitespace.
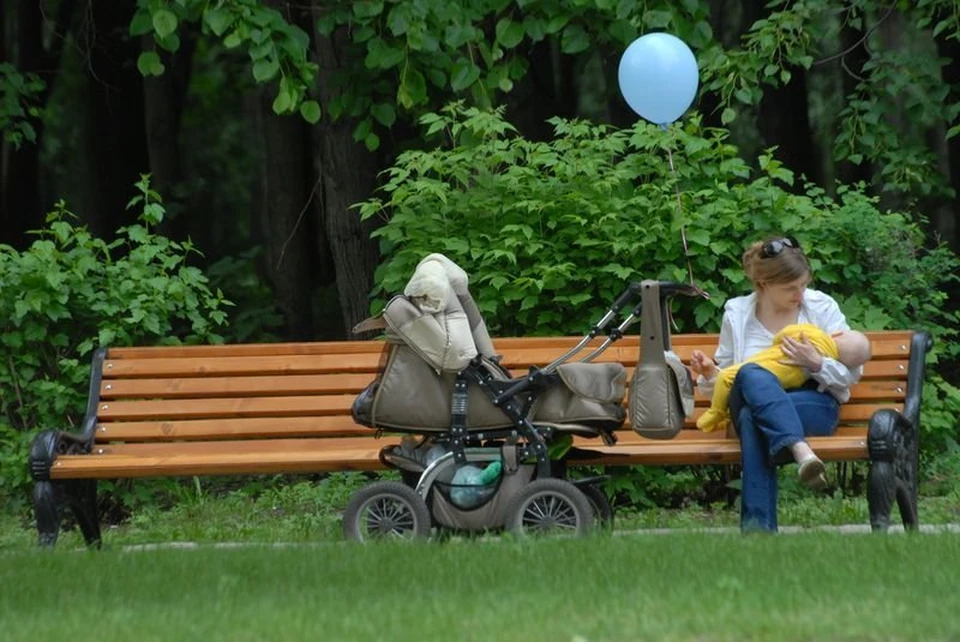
{"x":285,"y":408}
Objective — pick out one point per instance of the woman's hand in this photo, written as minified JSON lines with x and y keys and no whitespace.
{"x":801,"y":353}
{"x":702,"y":365}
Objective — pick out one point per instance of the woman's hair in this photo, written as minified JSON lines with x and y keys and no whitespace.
{"x":787,"y":265}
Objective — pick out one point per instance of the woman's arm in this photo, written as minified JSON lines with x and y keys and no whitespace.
{"x":833,"y":376}
{"x":723,"y":357}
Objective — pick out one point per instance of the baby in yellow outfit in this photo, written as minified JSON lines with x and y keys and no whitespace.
{"x":850,"y":347}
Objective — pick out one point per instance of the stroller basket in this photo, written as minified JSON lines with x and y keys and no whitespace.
{"x":467,"y":496}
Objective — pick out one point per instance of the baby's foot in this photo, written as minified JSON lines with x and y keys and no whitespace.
{"x":812,"y":473}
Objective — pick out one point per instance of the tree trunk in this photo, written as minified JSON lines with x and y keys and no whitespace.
{"x":850,"y":69}
{"x":347,"y":176}
{"x":726,"y":31}
{"x":115,"y":138}
{"x":286,"y":227}
{"x":547,"y":90}
{"x":784,"y":113}
{"x":785,"y":122}
{"x":21,"y":206}
{"x":164,"y":100}
{"x":945,"y":220}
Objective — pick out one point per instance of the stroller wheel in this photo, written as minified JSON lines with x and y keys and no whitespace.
{"x":549,"y":505}
{"x":386,"y":510}
{"x":602,"y":510}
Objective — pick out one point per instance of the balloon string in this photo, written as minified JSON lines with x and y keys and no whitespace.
{"x":683,"y":231}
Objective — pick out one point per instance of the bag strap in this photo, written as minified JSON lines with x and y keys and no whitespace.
{"x":651,"y":324}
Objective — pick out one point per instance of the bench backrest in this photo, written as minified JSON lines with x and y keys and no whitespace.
{"x":305,"y":390}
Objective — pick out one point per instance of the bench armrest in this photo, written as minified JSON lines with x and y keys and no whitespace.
{"x":920,"y":344}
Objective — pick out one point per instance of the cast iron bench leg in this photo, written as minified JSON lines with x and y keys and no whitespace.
{"x":892,"y":443}
{"x":50,"y":496}
{"x":82,"y":498}
{"x":47,"y":512}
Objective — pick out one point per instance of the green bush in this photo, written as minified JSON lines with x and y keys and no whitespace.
{"x":551,"y":232}
{"x":70,"y":292}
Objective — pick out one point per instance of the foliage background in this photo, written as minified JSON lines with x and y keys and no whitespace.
{"x":307,"y":153}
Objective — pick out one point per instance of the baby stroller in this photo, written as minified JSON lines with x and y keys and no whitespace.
{"x":482,"y":450}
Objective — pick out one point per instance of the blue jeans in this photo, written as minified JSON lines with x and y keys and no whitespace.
{"x":769,"y":420}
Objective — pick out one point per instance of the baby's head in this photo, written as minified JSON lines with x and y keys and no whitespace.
{"x":853,"y":346}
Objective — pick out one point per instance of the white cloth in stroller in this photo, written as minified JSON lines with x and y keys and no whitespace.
{"x":449,"y":332}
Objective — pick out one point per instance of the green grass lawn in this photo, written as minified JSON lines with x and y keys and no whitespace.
{"x":688,"y":586}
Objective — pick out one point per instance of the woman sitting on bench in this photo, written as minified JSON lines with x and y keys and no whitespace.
{"x":773,"y":423}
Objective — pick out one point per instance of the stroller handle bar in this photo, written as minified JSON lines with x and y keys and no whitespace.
{"x":667,"y":289}
{"x":634,"y":290}
{"x":631,"y":293}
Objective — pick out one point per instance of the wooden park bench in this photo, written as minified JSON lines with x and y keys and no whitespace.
{"x":285,"y":408}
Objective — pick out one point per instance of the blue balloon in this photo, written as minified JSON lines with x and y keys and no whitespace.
{"x":658,"y":77}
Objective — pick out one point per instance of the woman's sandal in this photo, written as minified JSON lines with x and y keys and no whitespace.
{"x":812,"y":473}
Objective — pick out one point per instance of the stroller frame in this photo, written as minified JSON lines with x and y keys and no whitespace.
{"x":515,"y":398}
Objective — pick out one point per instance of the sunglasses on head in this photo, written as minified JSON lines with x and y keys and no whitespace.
{"x":772,"y":248}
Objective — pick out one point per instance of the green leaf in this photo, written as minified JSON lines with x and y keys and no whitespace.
{"x":265,"y":70}
{"x":463,"y":74}
{"x":164,"y":22}
{"x":509,"y":33}
{"x":380,"y":55}
{"x":326,"y":24}
{"x":398,"y":20}
{"x":536,"y":28}
{"x":282,"y":103}
{"x":574,"y":40}
{"x":149,"y":64}
{"x":171,"y":43}
{"x":385,"y":114}
{"x":413,"y":89}
{"x":623,"y":31}
{"x":233,"y":40}
{"x":310,"y":111}
{"x":371,"y":141}
{"x":218,"y":19}
{"x":557,"y":23}
{"x":142,"y":23}
{"x":728,"y":116}
{"x":362,"y":130}
{"x":367,"y":8}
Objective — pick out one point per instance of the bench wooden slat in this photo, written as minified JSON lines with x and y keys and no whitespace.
{"x":354,"y":347}
{"x":628,"y":437}
{"x":525,"y":357}
{"x":214,"y":449}
{"x":235,"y":428}
{"x":335,"y":364}
{"x":367,"y":364}
{"x":244,"y":407}
{"x":293,"y":385}
{"x":292,"y":406}
{"x":233,"y":366}
{"x":275,"y":428}
{"x":314,"y":359}
{"x":297,"y":458}
{"x":304,"y":456}
{"x":247,"y":350}
{"x":185,"y":387}
{"x":714,"y":452}
{"x":317,"y":427}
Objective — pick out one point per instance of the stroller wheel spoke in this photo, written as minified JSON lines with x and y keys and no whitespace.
{"x":550,"y":505}
{"x":386,"y":510}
